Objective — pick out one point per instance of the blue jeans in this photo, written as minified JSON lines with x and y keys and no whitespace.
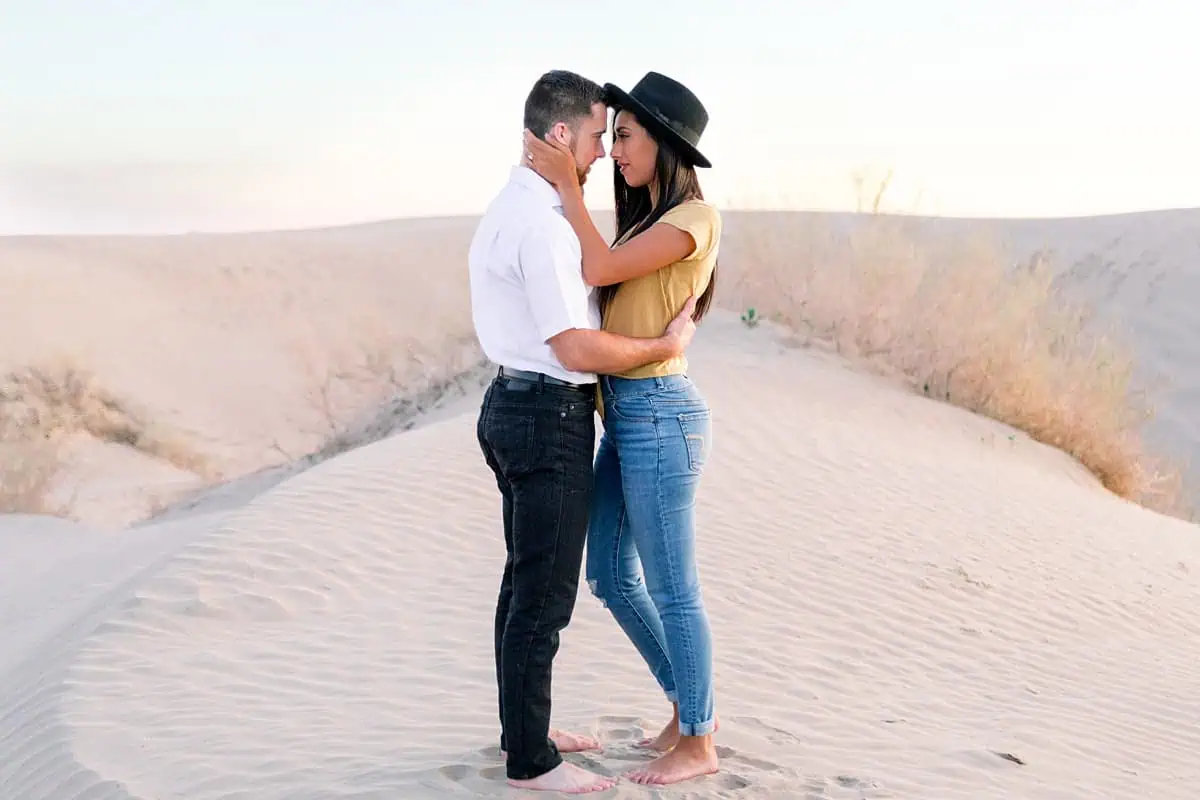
{"x":657,"y":437}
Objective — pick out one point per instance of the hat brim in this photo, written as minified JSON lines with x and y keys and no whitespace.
{"x":657,"y":125}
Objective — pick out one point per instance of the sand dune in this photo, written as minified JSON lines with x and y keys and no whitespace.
{"x":252,"y":348}
{"x":908,"y":600}
{"x":901,"y":594}
{"x":217,"y":333}
{"x":1142,"y":271}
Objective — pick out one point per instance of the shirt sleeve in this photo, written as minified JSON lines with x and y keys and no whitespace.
{"x":551,"y":264}
{"x":700,"y":220}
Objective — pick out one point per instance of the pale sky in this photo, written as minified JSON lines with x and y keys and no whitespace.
{"x":166,"y":115}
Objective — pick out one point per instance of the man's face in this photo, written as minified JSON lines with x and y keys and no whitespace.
{"x":587,"y":140}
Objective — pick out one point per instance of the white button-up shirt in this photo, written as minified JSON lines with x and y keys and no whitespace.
{"x":527,"y":286}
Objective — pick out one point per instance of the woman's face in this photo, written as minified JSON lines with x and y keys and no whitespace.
{"x":634,"y":151}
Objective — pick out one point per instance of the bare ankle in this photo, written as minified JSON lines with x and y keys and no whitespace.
{"x":696,"y":744}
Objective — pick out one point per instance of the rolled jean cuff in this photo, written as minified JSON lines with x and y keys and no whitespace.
{"x":673,"y":696}
{"x":696,"y":728}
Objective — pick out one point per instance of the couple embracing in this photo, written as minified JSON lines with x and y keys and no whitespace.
{"x":578,"y":327}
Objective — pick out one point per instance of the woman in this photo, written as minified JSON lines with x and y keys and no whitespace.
{"x":657,"y":432}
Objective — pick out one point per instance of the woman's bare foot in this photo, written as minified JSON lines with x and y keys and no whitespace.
{"x":568,"y":742}
{"x":568,"y":779}
{"x":692,"y":757}
{"x":669,"y":737}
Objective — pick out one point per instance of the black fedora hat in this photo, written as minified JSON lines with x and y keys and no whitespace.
{"x":669,"y":109}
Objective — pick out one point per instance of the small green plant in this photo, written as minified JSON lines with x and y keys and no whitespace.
{"x":751,"y":318}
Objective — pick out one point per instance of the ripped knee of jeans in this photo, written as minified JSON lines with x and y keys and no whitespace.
{"x":594,"y":585}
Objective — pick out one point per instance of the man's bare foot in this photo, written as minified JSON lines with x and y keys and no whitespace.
{"x":568,"y":742}
{"x":568,"y":779}
{"x":669,"y":737}
{"x":692,"y":757}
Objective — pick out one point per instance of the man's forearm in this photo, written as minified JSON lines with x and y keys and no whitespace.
{"x":609,"y":353}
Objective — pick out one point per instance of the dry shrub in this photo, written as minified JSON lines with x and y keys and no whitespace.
{"x":962,"y":324}
{"x":379,"y":384}
{"x":427,"y":383}
{"x":28,"y":468}
{"x":42,"y":406}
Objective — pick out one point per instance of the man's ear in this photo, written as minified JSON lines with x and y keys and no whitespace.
{"x":559,"y":132}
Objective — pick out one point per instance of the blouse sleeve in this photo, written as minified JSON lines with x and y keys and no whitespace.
{"x":700,"y":220}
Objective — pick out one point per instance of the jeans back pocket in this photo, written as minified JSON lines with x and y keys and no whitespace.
{"x":697,"y":435}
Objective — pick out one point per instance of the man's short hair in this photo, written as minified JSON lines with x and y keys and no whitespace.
{"x":560,"y":96}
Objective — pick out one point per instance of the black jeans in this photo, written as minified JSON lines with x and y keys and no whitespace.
{"x":539,"y":439}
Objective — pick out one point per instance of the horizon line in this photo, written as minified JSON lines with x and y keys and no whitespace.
{"x":385,"y":220}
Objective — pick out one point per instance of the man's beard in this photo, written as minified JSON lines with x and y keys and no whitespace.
{"x":582,"y":174}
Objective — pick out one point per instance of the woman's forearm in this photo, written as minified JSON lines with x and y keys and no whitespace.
{"x":595,"y":250}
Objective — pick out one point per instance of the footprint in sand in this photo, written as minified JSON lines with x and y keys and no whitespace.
{"x":769,"y":732}
{"x":493,"y":773}
{"x":621,"y":729}
{"x":727,"y":754}
{"x":729,"y":782}
{"x":456,"y":772}
{"x":839,"y":786}
{"x":490,"y":752}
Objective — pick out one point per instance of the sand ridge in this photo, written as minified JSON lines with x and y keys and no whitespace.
{"x":231,"y":338}
{"x":909,"y":601}
{"x":903,"y":596}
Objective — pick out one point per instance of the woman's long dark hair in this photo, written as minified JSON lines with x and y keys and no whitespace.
{"x":677,"y":183}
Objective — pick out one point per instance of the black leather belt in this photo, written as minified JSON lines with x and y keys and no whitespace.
{"x":538,"y":377}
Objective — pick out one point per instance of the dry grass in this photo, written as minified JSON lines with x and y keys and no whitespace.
{"x":28,"y":468}
{"x":378,"y":386}
{"x":42,"y":406}
{"x":424,"y":386}
{"x":963,"y":325}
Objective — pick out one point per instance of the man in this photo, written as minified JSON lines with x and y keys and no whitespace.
{"x":537,"y":319}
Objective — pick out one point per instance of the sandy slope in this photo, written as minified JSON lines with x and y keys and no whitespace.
{"x":1142,"y":271}
{"x":228,"y":337}
{"x":900,"y":592}
{"x":253,"y":300}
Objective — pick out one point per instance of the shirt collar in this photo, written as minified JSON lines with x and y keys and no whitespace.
{"x":542,"y":188}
